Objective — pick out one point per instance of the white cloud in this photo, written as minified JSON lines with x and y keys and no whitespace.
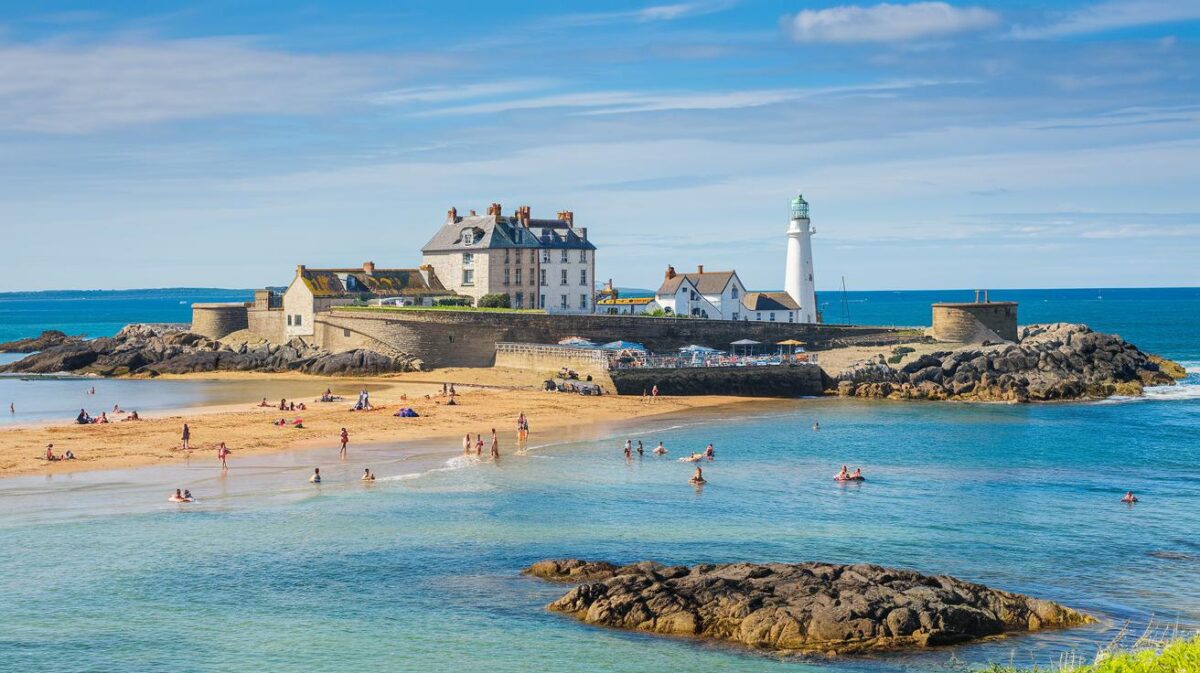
{"x":443,"y":93}
{"x":886,"y":22}
{"x":650,"y":14}
{"x":1112,"y":15}
{"x":57,"y":87}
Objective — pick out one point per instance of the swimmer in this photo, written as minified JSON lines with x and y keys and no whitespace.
{"x":1129,"y":498}
{"x":187,"y":495}
{"x":844,"y":474}
{"x":641,"y":451}
{"x":708,"y":452}
{"x":698,"y":477}
{"x":660,"y":450}
{"x":816,"y":426}
{"x":178,"y":496}
{"x":857,"y":475}
{"x":316,"y":476}
{"x":368,"y":475}
{"x":694,"y":458}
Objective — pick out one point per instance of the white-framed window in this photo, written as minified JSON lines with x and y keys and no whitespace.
{"x":772,"y":316}
{"x":468,"y":259}
{"x":583,"y":276}
{"x":564,"y":277}
{"x":583,"y":255}
{"x":545,"y":256}
{"x":583,"y":302}
{"x":506,"y":276}
{"x":468,"y":237}
{"x":543,"y":278}
{"x":562,"y":301}
{"x":518,"y":276}
{"x":468,"y":277}
{"x":563,"y":257}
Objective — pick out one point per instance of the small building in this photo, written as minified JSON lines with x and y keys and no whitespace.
{"x":716,"y":295}
{"x":315,"y":290}
{"x":975,"y":322}
{"x":770,"y":307}
{"x":539,"y":263}
{"x":627,"y":305}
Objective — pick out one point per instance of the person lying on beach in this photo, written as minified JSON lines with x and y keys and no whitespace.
{"x":264,"y":403}
{"x":103,"y":418}
{"x":132,"y":417}
{"x":660,"y":450}
{"x":368,"y":475}
{"x":69,"y":455}
{"x":1129,"y":498}
{"x":83,"y":418}
{"x":697,"y":478}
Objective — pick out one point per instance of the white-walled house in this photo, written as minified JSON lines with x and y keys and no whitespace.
{"x":720,"y":295}
{"x":627,"y":305}
{"x":315,"y":290}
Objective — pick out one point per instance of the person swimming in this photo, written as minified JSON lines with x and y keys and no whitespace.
{"x":187,"y":495}
{"x":316,"y":476}
{"x":694,"y":458}
{"x":698,"y":477}
{"x":816,"y":426}
{"x":178,"y":496}
{"x":708,"y":452}
{"x":1129,"y":498}
{"x":844,"y":474}
{"x":368,"y":475}
{"x":660,"y":449}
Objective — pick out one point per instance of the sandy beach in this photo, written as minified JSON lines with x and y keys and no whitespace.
{"x":487,"y":398}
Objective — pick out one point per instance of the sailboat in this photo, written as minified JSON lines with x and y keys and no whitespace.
{"x":1099,"y":295}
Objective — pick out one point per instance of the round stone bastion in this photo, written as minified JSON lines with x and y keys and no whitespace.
{"x":975,"y":322}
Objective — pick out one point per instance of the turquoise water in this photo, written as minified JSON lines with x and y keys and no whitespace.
{"x":420,"y":571}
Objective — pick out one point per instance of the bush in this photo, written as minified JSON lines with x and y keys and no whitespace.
{"x":453,"y":301}
{"x":902,"y":350}
{"x":895,"y":359}
{"x":495,"y":300}
{"x":657,"y":313}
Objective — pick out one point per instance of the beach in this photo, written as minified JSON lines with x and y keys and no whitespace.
{"x":486,"y":399}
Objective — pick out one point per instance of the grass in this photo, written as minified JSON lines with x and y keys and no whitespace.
{"x":459,"y":309}
{"x":1155,"y":651}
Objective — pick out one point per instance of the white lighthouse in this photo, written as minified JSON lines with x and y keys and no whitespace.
{"x":798,"y":278}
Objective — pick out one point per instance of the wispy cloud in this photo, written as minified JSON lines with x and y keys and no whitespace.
{"x":57,"y":87}
{"x":886,"y":22}
{"x":444,"y":93}
{"x":649,"y":14}
{"x":1112,"y":15}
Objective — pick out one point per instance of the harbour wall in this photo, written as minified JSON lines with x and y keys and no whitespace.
{"x":469,"y":339}
{"x":549,"y":358}
{"x":797,"y":380}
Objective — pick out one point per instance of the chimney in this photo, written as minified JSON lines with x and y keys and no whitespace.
{"x":583,"y":233}
{"x":670,"y":272}
{"x":567,"y":216}
{"x":494,"y":211}
{"x":452,"y":216}
{"x":369,"y":268}
{"x":699,"y":268}
{"x":299,"y":269}
{"x":426,"y":270}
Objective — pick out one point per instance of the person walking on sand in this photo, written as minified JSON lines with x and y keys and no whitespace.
{"x":654,"y":393}
{"x":222,"y":454}
{"x":187,"y":437}
{"x":345,"y":437}
{"x":495,"y":445}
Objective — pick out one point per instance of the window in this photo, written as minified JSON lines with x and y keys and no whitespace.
{"x":468,"y":237}
{"x":772,"y":316}
{"x":542,"y":300}
{"x":583,"y":302}
{"x":791,"y":317}
{"x":564,"y":277}
{"x":518,"y":281}
{"x":350,"y":281}
{"x":298,"y":320}
{"x":345,"y":332}
{"x":532,"y":256}
{"x":734,"y":294}
{"x":583,"y":255}
{"x":506,"y":256}
{"x":759,"y":316}
{"x":289,"y":320}
{"x":563,"y":257}
{"x":545,"y":256}
{"x":468,"y":277}
{"x":562,"y":301}
{"x":583,"y":276}
{"x":735,"y":315}
{"x":468,"y":259}
{"x":543,"y":275}
{"x":519,"y":301}
{"x":506,"y":276}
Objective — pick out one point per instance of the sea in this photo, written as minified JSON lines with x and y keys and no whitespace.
{"x":420,"y":571}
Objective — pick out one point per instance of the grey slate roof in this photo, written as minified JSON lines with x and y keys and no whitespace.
{"x":505,"y":233}
{"x":769,"y":301}
{"x":709,"y":282}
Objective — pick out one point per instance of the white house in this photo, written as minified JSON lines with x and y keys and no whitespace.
{"x":315,"y":290}
{"x":626,"y":305}
{"x":716,"y":295}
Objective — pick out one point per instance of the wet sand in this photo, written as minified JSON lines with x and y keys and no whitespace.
{"x":487,"y":398}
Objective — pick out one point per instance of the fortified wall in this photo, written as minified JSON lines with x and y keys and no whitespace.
{"x":797,"y":380}
{"x":216,"y":320}
{"x":975,"y":322}
{"x":468,"y":339}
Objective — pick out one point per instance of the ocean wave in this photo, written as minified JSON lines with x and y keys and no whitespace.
{"x":1179,"y":391}
{"x":1192,"y":366}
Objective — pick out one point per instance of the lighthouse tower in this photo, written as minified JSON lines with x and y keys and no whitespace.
{"x":798,"y":278}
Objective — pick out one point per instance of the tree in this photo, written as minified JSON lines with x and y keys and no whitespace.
{"x":495,"y":300}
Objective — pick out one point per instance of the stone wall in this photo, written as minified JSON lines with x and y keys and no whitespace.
{"x":217,"y":320}
{"x":548,"y":358}
{"x":267,"y":323}
{"x":769,"y":381}
{"x":468,"y":339}
{"x":975,"y":322}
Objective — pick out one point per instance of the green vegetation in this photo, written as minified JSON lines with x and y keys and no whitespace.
{"x":494,"y":300}
{"x":465,"y":309}
{"x":453,"y":301}
{"x":656,"y":313}
{"x":1176,"y":656}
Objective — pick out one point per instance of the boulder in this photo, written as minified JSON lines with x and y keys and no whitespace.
{"x":796,"y":607}
{"x":47,"y":339}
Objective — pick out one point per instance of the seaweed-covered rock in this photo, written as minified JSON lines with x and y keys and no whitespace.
{"x":797,"y":607}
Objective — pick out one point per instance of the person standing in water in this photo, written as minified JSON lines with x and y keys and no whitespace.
{"x":222,"y":455}
{"x":186,"y":437}
{"x":345,"y":437}
{"x":641,"y":450}
{"x":660,"y":450}
{"x":478,"y":444}
{"x":1129,"y":498}
{"x":495,"y":445}
{"x":708,"y":452}
{"x":628,"y":449}
{"x":368,"y":475}
{"x":316,"y":476}
{"x":467,"y":443}
{"x":698,"y":477}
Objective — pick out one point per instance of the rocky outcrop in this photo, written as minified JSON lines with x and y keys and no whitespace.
{"x":797,"y":607}
{"x":1060,"y":361}
{"x":47,"y":339}
{"x":152,"y":350}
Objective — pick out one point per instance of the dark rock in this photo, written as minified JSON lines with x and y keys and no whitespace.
{"x":47,"y":339}
{"x":801,"y":607}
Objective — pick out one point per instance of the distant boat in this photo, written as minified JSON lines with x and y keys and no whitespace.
{"x":182,"y":302}
{"x":1099,"y":295}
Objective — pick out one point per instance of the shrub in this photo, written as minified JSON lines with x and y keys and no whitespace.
{"x":453,"y":301}
{"x":495,"y":300}
{"x":902,"y":350}
{"x":895,"y":359}
{"x":657,"y":313}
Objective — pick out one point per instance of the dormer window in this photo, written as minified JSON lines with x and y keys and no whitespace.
{"x":350,"y":282}
{"x":468,"y":236}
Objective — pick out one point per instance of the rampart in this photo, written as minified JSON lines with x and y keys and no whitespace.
{"x":217,"y":320}
{"x":975,"y":322}
{"x":796,"y":380}
{"x":468,"y":339}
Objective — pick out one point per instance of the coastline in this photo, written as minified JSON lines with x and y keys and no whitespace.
{"x":491,"y":398}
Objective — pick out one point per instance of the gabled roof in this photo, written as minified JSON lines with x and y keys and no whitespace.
{"x":709,"y":282}
{"x":378,"y":283}
{"x":624,"y":301}
{"x":769,"y":301}
{"x":491,"y":232}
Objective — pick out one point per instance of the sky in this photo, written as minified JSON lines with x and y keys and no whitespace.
{"x":940,"y":145}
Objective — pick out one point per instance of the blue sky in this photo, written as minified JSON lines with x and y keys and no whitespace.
{"x":1001,"y":144}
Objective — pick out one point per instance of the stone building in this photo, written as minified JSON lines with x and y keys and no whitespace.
{"x":315,"y":290}
{"x":539,"y":263}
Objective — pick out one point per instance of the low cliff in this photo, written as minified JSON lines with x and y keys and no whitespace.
{"x":797,"y":607}
{"x":152,"y":350}
{"x":1059,"y":361}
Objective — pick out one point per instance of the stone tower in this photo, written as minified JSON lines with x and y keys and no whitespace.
{"x":798,"y":277}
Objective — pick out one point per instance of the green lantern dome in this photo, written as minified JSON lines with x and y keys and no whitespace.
{"x":799,"y":208}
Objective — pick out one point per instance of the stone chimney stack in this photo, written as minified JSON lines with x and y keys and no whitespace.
{"x":567,"y":216}
{"x":699,"y":268}
{"x":426,"y":271}
{"x":369,"y":268}
{"x":452,"y":215}
{"x":670,"y":272}
{"x":583,"y":233}
{"x":299,"y":269}
{"x":494,"y":211}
